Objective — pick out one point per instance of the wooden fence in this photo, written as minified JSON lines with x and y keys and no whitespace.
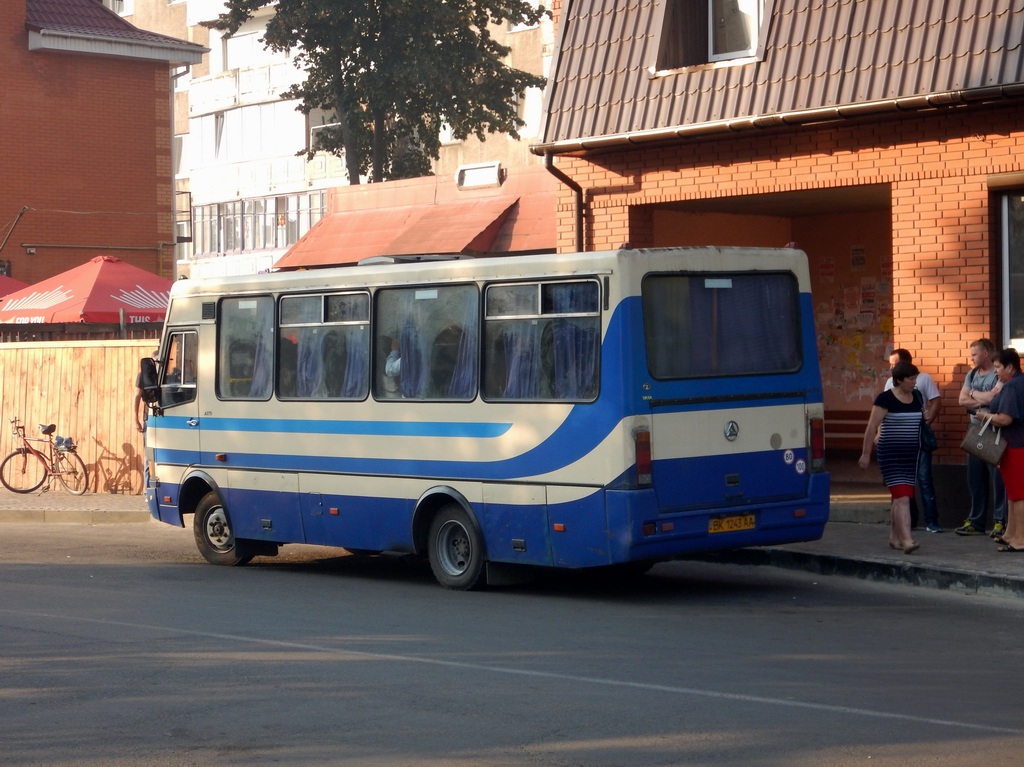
{"x":87,"y":388}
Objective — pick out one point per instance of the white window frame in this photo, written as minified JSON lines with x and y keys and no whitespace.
{"x":1008,"y":277}
{"x":753,"y":8}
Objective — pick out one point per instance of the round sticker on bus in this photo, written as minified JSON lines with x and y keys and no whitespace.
{"x":801,"y":466}
{"x":788,"y":457}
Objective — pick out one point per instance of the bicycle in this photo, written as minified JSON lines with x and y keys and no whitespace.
{"x":39,"y":459}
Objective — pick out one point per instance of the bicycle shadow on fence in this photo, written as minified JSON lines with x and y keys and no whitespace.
{"x":114,"y":473}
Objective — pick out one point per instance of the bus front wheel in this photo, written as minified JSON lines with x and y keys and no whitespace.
{"x":214,"y":538}
{"x":456,"y":549}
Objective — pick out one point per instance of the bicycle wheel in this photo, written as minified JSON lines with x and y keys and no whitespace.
{"x":71,"y":472}
{"x":22,"y":471}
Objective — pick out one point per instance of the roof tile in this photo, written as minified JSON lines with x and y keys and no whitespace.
{"x":818,"y":54}
{"x":89,"y":18}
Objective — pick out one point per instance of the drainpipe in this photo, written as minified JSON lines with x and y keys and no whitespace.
{"x":577,"y":191}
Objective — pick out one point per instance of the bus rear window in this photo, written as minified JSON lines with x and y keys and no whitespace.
{"x":703,"y":325}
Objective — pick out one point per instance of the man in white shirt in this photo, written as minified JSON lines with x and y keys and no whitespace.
{"x":925,"y":480}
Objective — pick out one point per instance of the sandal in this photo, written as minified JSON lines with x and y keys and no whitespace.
{"x":1009,"y":548}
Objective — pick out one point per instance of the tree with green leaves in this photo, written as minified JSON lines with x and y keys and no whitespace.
{"x":393,"y":72}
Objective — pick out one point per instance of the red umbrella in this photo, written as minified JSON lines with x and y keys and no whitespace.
{"x":9,"y":285}
{"x":97,"y":291}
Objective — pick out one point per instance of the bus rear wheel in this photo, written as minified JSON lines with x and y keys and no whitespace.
{"x":456,"y":549}
{"x":214,"y":537}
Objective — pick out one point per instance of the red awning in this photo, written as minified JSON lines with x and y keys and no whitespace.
{"x":100,"y":290}
{"x":463,"y":227}
{"x":9,"y":285}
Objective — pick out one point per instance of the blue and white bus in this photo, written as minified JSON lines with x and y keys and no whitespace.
{"x":573,"y":410}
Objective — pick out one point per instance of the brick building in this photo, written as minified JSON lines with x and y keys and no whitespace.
{"x":884,"y":137}
{"x":85,"y":138}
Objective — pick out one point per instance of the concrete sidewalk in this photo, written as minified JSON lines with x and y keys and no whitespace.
{"x":854,"y":544}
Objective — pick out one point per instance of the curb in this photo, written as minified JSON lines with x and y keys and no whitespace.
{"x":910,"y":574}
{"x":73,"y":517}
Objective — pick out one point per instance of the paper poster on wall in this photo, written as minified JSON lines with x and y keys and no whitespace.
{"x":827,"y":268}
{"x":868,"y":292}
{"x":851,"y":301}
{"x":858,"y":258}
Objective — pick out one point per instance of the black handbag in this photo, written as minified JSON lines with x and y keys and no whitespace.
{"x":929,"y":442}
{"x":984,"y":442}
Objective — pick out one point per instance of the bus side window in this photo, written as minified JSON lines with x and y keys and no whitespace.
{"x":246,"y":348}
{"x":542,"y":341}
{"x":179,"y":382}
{"x":427,"y":345}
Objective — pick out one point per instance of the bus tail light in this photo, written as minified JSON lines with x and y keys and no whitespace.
{"x":817,"y":435}
{"x":642,"y":445}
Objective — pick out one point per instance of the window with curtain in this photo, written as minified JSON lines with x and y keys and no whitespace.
{"x":695,"y":32}
{"x":542,"y":341}
{"x":324,"y":347}
{"x":426,"y":340}
{"x":703,"y":325}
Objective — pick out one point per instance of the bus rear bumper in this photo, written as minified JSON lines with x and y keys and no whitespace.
{"x":648,"y":534}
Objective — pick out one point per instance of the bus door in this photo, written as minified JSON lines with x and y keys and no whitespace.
{"x":173,"y":435}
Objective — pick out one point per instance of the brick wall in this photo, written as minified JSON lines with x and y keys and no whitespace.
{"x":85,"y":144}
{"x":939,"y":167}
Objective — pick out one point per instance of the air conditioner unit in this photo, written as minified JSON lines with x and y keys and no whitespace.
{"x":482,"y":174}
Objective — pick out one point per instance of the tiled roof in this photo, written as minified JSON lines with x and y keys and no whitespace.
{"x":820,"y":56}
{"x":92,"y":19}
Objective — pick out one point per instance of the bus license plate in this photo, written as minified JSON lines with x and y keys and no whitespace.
{"x":731,"y":524}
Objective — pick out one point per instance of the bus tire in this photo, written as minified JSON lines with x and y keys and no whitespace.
{"x":455,"y":549}
{"x":214,"y":537}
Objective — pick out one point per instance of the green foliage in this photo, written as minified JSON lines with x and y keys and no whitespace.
{"x":392,"y":72}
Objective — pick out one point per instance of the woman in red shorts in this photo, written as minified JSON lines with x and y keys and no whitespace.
{"x":1007,"y":410}
{"x":899,"y":412}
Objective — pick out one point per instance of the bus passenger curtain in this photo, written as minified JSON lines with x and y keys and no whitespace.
{"x":438,"y":340}
{"x":413,"y":374}
{"x":331,"y":365}
{"x":263,"y":363}
{"x":521,"y":344}
{"x":357,"y":363}
{"x":463,"y":385}
{"x":310,"y":373}
{"x":749,"y":327}
{"x":575,"y":354}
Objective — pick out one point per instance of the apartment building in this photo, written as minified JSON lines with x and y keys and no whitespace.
{"x":245,"y":191}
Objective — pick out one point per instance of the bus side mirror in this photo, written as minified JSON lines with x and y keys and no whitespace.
{"x":149,"y":383}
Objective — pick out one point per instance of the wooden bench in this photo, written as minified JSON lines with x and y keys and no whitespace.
{"x":844,"y":429}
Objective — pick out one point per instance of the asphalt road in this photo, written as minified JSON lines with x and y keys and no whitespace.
{"x":121,"y":647}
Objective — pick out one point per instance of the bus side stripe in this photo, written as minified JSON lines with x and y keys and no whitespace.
{"x":475,"y":430}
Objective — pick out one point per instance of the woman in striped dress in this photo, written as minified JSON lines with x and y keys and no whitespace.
{"x":896,"y":420}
